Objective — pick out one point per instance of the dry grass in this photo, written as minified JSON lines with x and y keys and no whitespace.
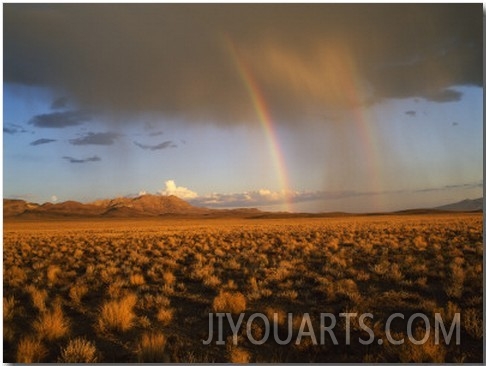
{"x":455,"y":283}
{"x":79,"y":350}
{"x":229,"y":302}
{"x":473,"y":323}
{"x":137,"y":279}
{"x":119,"y":282}
{"x":118,"y":315}
{"x":169,"y":278}
{"x":53,"y":272}
{"x":151,"y":347}
{"x":77,"y":292}
{"x":115,"y":289}
{"x":30,"y":350}
{"x":427,"y":352}
{"x":52,"y":325}
{"x":16,"y":277}
{"x":238,"y":355}
{"x":212,"y":281}
{"x":8,"y":308}
{"x":38,"y":297}
{"x":165,"y":316}
{"x":276,"y":315}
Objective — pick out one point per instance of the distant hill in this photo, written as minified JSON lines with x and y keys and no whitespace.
{"x":13,"y":207}
{"x":157,"y":205}
{"x":464,"y":206}
{"x":148,"y":205}
{"x":122,"y":207}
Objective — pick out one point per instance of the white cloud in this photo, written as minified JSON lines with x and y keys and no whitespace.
{"x":266,"y":197}
{"x":181,"y":192}
{"x":54,"y":198}
{"x":142,"y":193}
{"x":261,"y":197}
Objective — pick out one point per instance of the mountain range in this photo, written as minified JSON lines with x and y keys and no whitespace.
{"x":141,"y":206}
{"x":465,"y":205}
{"x":156,"y":205}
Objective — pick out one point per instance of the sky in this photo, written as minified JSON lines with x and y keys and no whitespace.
{"x":284,"y":107}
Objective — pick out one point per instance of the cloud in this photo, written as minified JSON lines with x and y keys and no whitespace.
{"x":91,"y":138}
{"x":74,"y":160}
{"x":181,"y":192}
{"x":161,"y":146}
{"x":178,"y":60}
{"x":54,"y":198}
{"x":60,"y":119}
{"x":265,"y":197}
{"x":156,"y":133}
{"x":411,"y":113}
{"x":12,"y":128}
{"x":59,"y":103}
{"x":469,"y":185}
{"x":445,"y":96}
{"x":41,"y":141}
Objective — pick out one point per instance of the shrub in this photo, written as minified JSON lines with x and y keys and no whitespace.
{"x":8,"y":308}
{"x":137,"y":279}
{"x":420,"y":353}
{"x":273,"y":313}
{"x":420,"y":243}
{"x":151,"y":347}
{"x":211,"y":281}
{"x":169,"y":278}
{"x":77,"y":292}
{"x":229,"y":302}
{"x":38,"y":297}
{"x":16,"y":276}
{"x":78,"y":350}
{"x":348,"y":288}
{"x":118,"y":314}
{"x":165,"y":316}
{"x":30,"y":350}
{"x":455,"y":284}
{"x":144,"y":322}
{"x":115,"y":289}
{"x":473,"y":323}
{"x":52,"y":325}
{"x":53,"y":272}
{"x":290,"y":294}
{"x":238,"y":355}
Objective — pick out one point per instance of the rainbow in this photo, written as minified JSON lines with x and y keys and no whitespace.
{"x":363,"y":120}
{"x":264,"y":117}
{"x":365,"y":127}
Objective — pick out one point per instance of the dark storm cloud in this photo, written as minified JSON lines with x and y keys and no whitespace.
{"x":60,"y":119}
{"x":41,"y":141}
{"x":80,"y":161}
{"x":161,"y":146}
{"x":59,"y":103}
{"x":12,"y":128}
{"x":411,"y":113}
{"x":178,"y":60}
{"x":91,"y":138}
